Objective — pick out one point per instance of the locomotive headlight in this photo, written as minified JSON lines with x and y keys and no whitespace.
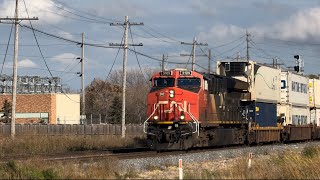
{"x":171,"y":93}
{"x":182,"y":117}
{"x":155,"y":117}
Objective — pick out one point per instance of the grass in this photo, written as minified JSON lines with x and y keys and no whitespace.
{"x":28,"y":145}
{"x":284,"y":165}
{"x":288,"y":165}
{"x":36,"y":169}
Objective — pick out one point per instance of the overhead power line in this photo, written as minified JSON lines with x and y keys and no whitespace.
{"x":231,"y":42}
{"x":147,"y":82}
{"x":231,"y":49}
{"x":65,"y":39}
{"x":153,"y":58}
{"x":87,"y":13}
{"x":45,"y":62}
{"x":4,"y":59}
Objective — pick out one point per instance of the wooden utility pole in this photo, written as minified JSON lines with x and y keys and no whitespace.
{"x":194,"y":44}
{"x":16,"y":20}
{"x":126,"y":25}
{"x":209,"y":62}
{"x":248,"y":40}
{"x":164,"y":58}
{"x":162,"y":64}
{"x":83,"y":113}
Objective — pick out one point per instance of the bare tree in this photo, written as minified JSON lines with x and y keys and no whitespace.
{"x":100,"y":95}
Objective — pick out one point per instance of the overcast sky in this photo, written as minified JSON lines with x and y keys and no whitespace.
{"x":279,"y":28}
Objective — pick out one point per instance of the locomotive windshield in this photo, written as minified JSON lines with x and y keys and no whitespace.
{"x":164,"y":82}
{"x":193,"y":82}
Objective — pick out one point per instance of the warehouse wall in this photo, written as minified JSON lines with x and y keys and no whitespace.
{"x":68,"y":109}
{"x":33,"y":103}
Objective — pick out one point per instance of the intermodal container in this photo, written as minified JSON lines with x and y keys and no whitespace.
{"x":263,"y":114}
{"x":315,"y":116}
{"x":314,"y":93}
{"x":293,"y":115}
{"x":264,"y":80}
{"x":294,"y":89}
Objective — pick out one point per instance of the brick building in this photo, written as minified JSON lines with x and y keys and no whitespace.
{"x":49,"y":108}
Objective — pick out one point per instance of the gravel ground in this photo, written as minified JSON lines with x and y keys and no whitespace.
{"x":142,"y":164}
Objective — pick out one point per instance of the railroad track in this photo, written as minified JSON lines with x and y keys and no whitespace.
{"x":124,"y":153}
{"x":81,"y":155}
{"x":121,"y":154}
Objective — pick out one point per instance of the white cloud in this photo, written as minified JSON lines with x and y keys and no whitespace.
{"x":203,"y":7}
{"x":220,"y":33}
{"x":65,"y":34}
{"x":65,"y":58}
{"x":69,"y":60}
{"x":302,"y":26}
{"x":46,"y":10}
{"x":27,"y":63}
{"x":119,"y":8}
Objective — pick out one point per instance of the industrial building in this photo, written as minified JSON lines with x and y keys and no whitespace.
{"x":46,"y":108}
{"x":40,"y":99}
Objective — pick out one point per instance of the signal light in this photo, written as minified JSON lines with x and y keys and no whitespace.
{"x":155,"y":117}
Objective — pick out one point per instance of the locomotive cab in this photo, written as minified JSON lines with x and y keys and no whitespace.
{"x":174,"y":108}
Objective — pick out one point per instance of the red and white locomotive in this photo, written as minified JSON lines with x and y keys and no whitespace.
{"x":180,"y":106}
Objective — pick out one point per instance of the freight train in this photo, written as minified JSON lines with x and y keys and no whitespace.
{"x":244,"y":102}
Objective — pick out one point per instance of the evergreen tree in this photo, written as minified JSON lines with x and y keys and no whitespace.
{"x":6,"y":109}
{"x":114,"y":113}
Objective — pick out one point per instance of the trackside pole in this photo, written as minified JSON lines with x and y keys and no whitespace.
{"x":249,"y":160}
{"x":180,"y":169}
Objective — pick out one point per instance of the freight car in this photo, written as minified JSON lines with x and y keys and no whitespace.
{"x":241,"y":104}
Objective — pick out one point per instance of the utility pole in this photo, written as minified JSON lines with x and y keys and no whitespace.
{"x":164,"y":58}
{"x":16,"y":20}
{"x":194,"y":44}
{"x":162,"y":64}
{"x":126,"y":25}
{"x":83,"y":113}
{"x":248,"y":39}
{"x":209,"y":62}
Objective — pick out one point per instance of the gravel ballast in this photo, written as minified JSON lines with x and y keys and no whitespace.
{"x":141,"y":164}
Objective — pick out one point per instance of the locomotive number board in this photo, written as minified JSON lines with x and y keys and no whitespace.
{"x":166,"y":73}
{"x":185,"y":73}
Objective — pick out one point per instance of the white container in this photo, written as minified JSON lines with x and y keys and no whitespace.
{"x":293,"y":115}
{"x":315,"y":116}
{"x":264,"y":81}
{"x":314,"y":93}
{"x":294,"y":89}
